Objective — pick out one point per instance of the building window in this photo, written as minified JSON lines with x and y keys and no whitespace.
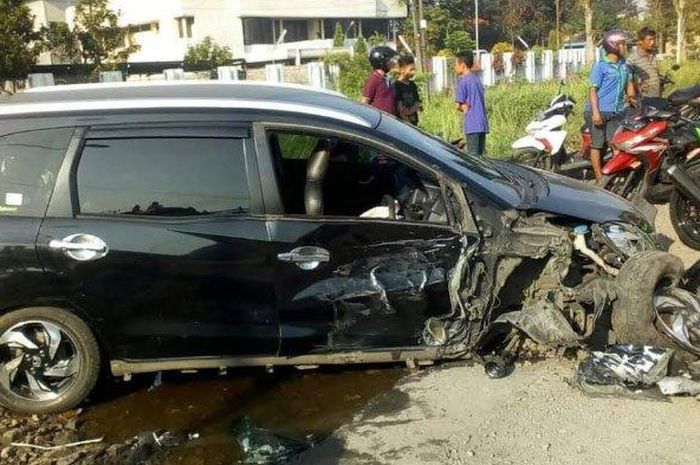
{"x":297,"y":30}
{"x":257,"y":31}
{"x":153,"y":26}
{"x":184,"y":26}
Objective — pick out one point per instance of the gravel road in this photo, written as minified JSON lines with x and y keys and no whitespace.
{"x":457,"y":415}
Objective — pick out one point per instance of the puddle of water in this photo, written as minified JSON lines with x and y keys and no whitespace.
{"x":291,"y":403}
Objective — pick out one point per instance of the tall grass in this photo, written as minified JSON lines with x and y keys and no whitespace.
{"x":511,"y":107}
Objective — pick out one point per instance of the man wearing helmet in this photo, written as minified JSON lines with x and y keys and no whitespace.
{"x":611,"y":82}
{"x":378,"y":90}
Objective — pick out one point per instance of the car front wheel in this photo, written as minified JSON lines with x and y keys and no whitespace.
{"x":49,"y":360}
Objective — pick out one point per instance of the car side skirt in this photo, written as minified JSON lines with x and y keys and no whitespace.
{"x":122,"y":367}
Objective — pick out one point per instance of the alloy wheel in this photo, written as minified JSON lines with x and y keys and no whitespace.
{"x":39,"y":361}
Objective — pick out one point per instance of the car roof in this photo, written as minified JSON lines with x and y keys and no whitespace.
{"x":277,"y":98}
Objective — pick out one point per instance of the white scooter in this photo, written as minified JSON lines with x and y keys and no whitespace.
{"x":544,"y":142}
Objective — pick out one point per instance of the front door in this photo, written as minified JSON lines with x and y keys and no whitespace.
{"x":352,"y":275}
{"x":350,"y":285}
{"x":165,"y":252}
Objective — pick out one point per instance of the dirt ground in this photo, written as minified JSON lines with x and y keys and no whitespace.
{"x":457,"y":415}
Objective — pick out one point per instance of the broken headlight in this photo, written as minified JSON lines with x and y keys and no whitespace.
{"x":619,"y":241}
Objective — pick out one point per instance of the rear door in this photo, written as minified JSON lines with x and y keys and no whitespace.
{"x":29,"y":164}
{"x":163,"y":243}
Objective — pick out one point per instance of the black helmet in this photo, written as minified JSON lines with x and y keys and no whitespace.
{"x":380,"y":57}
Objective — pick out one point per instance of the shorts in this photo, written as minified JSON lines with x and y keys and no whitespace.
{"x":601,"y":135}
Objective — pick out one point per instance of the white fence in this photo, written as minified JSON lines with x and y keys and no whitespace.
{"x":530,"y":67}
{"x":535,"y":67}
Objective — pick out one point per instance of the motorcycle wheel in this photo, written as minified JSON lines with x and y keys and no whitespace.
{"x":625,"y":184}
{"x":532,"y":157}
{"x":685,"y":213}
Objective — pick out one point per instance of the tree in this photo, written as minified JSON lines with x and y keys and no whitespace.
{"x":681,"y":11}
{"x":62,"y":42}
{"x":20,"y":45}
{"x":587,"y":6}
{"x":102,"y":40}
{"x":338,"y":36}
{"x":207,"y":55}
{"x":459,"y":41}
{"x":96,"y":38}
{"x":360,"y":48}
{"x":660,"y":20}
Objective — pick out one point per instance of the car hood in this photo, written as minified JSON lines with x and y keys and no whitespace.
{"x":577,"y":199}
{"x":544,"y":191}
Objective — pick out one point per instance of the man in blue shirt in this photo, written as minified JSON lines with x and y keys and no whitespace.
{"x":470,"y":101}
{"x":611,"y":81}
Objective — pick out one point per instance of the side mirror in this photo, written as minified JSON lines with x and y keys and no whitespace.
{"x":675,"y":67}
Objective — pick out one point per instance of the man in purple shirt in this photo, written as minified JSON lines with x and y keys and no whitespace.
{"x":378,"y":90}
{"x":470,"y":101}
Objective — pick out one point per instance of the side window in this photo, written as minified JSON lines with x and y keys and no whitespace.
{"x":29,"y":163}
{"x":163,"y":177}
{"x":330,"y":176}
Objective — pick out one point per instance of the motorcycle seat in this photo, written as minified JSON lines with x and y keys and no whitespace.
{"x":683,"y":96}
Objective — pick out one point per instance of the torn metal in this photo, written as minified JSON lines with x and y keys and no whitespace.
{"x":635,"y":372}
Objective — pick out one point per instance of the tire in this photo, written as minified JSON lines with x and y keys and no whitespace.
{"x":75,"y":338}
{"x":682,"y":210}
{"x":633,"y":312}
{"x":625,"y":184}
{"x":532,"y":157}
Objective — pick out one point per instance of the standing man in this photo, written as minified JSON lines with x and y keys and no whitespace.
{"x":408,"y":102}
{"x":470,"y":100}
{"x":611,"y":81}
{"x":378,"y":90}
{"x":643,"y":64}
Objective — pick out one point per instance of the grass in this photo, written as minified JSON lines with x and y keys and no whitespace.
{"x":511,"y":107}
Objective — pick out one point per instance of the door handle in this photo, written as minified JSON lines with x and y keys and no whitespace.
{"x":81,"y":247}
{"x":307,"y":257}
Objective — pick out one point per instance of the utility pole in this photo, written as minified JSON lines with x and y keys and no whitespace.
{"x":558,"y":13}
{"x":476,"y":25}
{"x":417,"y":36}
{"x":423,"y":34}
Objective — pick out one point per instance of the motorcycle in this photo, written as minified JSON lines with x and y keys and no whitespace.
{"x":641,"y":144}
{"x":543,"y":146}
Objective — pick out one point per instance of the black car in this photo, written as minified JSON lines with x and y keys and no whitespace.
{"x":202,"y":226}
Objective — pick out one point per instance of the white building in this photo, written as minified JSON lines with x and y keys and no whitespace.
{"x":255,"y":30}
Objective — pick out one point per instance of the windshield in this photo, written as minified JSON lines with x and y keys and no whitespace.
{"x":442,"y":150}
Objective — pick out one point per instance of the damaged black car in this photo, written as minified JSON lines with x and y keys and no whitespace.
{"x":205,"y":226}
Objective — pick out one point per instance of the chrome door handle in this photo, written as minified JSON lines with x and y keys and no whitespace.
{"x":307,"y":257}
{"x":81,"y":247}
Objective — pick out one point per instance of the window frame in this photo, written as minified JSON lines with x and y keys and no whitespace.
{"x":195,"y":130}
{"x":271,"y":185}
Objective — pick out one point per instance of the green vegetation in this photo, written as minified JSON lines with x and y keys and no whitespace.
{"x":338,"y":36}
{"x":207,"y":55}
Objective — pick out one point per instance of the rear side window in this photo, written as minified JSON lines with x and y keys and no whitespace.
{"x":29,"y":163}
{"x":163,"y":177}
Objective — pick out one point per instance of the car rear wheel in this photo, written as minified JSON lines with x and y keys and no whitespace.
{"x":49,"y":360}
